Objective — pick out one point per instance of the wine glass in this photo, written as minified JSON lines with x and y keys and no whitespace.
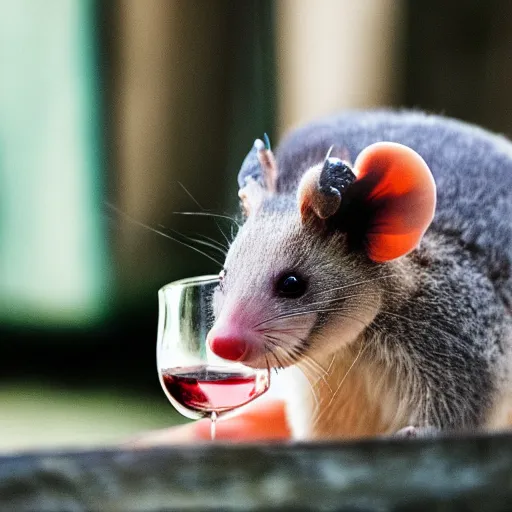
{"x":196,"y":381}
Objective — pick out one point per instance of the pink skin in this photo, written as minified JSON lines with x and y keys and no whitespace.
{"x":235,"y":340}
{"x":234,"y":344}
{"x":228,"y":347}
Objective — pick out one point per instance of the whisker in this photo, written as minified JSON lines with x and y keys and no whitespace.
{"x":268,"y":342}
{"x":350,"y":285}
{"x":331,"y":363}
{"x":189,"y":194}
{"x":339,"y":299}
{"x":196,"y":240}
{"x":267,"y":363}
{"x":208,"y":244}
{"x":304,"y":309}
{"x":201,"y":208}
{"x":209,"y":214}
{"x":326,"y":409}
{"x":299,"y":313}
{"x":159,"y":232}
{"x":316,"y":364}
{"x":320,"y":376}
{"x":279,"y":363}
{"x":300,"y":358}
{"x":314,"y":371}
{"x":216,"y":242}
{"x":298,"y":354}
{"x":311,"y":387}
{"x":275,"y":343}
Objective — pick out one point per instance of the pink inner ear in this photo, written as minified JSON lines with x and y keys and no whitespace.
{"x":399,"y":189}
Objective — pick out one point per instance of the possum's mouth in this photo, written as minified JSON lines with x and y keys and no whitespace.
{"x":279,"y":345}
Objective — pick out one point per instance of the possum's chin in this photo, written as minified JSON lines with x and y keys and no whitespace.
{"x":268,"y":360}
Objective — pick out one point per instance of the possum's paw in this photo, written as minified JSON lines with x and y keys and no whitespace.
{"x":411,"y":432}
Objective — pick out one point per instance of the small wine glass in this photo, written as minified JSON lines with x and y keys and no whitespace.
{"x":197,"y":382}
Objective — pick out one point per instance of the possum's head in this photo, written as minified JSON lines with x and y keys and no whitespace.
{"x":302,"y":275}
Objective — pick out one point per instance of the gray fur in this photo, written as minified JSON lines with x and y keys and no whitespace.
{"x":443,"y":321}
{"x":472,"y":169}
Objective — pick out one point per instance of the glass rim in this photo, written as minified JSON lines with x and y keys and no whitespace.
{"x":191,"y":281}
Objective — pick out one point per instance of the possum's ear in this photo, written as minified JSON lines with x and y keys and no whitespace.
{"x":387,"y":202}
{"x":397,"y":191}
{"x":257,"y":176}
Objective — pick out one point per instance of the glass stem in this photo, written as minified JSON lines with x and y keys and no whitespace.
{"x":213,"y":425}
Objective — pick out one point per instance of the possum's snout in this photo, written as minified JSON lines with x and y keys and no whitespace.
{"x":228,"y":347}
{"x":231,"y":341}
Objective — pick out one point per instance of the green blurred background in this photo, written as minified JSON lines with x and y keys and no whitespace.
{"x":107,"y":107}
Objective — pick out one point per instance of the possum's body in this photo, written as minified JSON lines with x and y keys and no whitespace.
{"x":434,"y":348}
{"x":463,"y":284}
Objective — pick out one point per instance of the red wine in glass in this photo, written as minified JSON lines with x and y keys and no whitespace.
{"x":198,"y":383}
{"x":208,"y":390}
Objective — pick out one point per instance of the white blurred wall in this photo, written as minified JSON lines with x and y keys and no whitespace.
{"x":336,"y":54}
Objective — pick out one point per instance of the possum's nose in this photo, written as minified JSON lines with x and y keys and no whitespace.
{"x":232,"y":348}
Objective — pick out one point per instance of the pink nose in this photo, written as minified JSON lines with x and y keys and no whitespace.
{"x":228,"y":347}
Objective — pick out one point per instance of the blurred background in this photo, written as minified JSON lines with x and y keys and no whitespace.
{"x":121,"y":113}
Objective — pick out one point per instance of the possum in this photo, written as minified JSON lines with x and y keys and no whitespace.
{"x":375,"y":257}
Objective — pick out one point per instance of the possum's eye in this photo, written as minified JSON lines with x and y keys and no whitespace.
{"x":291,"y":285}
